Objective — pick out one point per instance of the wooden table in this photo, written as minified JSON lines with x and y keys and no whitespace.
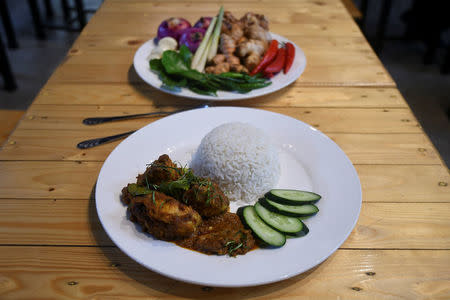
{"x":52,"y":245}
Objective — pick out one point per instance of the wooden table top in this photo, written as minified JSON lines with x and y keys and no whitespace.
{"x":52,"y":245}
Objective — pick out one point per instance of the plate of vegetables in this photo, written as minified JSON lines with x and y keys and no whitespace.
{"x":219,"y":58}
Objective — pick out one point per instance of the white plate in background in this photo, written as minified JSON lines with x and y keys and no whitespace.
{"x":279,"y":81}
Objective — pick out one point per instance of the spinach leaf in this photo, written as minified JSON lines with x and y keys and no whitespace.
{"x":186,"y":55}
{"x":173,"y":62}
{"x":171,"y":83}
{"x":175,"y":72}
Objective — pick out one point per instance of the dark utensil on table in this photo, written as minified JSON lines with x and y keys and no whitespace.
{"x":100,"y":120}
{"x":99,"y":141}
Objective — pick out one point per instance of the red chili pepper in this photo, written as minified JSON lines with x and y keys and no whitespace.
{"x":268,"y":75}
{"x":278,"y":64}
{"x":290,"y":55}
{"x":267,"y":59}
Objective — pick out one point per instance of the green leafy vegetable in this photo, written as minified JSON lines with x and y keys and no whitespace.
{"x":186,"y":55}
{"x":174,"y":71}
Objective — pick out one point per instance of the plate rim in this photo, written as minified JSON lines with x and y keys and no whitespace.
{"x":249,"y":283}
{"x":185,"y":93}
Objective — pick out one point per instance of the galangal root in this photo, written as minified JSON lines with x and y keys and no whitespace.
{"x":242,"y":43}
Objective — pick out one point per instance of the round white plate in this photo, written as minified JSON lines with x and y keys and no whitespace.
{"x":309,"y":160}
{"x":279,"y":81}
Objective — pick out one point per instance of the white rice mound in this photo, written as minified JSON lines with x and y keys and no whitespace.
{"x":241,"y":159}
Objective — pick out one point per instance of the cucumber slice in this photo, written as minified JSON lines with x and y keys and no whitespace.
{"x":292,"y":197}
{"x":284,"y":224}
{"x":263,"y":231}
{"x":290,"y":210}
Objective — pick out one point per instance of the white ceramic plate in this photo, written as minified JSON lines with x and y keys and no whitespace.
{"x":279,"y":81}
{"x":309,"y":160}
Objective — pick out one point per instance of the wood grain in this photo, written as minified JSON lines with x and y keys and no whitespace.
{"x":367,"y":148}
{"x":52,"y":245}
{"x":402,"y":226}
{"x":328,"y":120}
{"x":304,"y":17}
{"x":334,"y":66}
{"x":76,"y":180}
{"x":132,"y":41}
{"x":404,"y":183}
{"x":72,"y":272}
{"x":48,"y":180}
{"x":75,"y":222}
{"x":345,"y":68}
{"x":292,"y":96}
{"x":387,"y":148}
{"x":8,"y":122}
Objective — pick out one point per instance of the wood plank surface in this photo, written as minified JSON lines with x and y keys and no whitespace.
{"x":52,"y":245}
{"x":404,"y":183}
{"x":339,"y":68}
{"x":291,"y":17}
{"x":8,"y":122}
{"x":145,"y":95}
{"x":331,"y":66}
{"x":368,"y":148}
{"x":328,"y":120}
{"x":76,"y":180}
{"x":131,"y":41}
{"x":49,"y":180}
{"x":107,"y":273}
{"x":75,"y":222}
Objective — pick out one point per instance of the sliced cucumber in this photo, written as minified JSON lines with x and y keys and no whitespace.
{"x":292,"y":197}
{"x":289,"y":210}
{"x":263,"y":231}
{"x":287,"y":225}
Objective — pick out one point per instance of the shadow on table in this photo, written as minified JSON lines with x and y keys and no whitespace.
{"x":151,"y":281}
{"x":159,"y":98}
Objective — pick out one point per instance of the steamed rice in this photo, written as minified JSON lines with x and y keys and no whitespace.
{"x":240,"y":158}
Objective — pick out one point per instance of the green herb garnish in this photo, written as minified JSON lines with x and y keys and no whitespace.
{"x":137,"y":190}
{"x":232,"y":246}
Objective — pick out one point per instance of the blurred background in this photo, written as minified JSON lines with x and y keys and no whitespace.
{"x":411,"y":38}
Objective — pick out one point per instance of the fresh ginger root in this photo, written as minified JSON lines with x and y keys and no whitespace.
{"x":242,"y":43}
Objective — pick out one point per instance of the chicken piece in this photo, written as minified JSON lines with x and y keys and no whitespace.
{"x":252,"y":61}
{"x":251,"y":46}
{"x":207,"y":199}
{"x":162,"y":216}
{"x":257,"y":32}
{"x":251,"y":18}
{"x":218,"y":69}
{"x":161,"y":170}
{"x":221,"y":235}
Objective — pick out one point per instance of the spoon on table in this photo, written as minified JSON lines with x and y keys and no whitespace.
{"x":99,"y":141}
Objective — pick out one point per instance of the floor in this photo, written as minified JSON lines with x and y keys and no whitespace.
{"x":424,"y":88}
